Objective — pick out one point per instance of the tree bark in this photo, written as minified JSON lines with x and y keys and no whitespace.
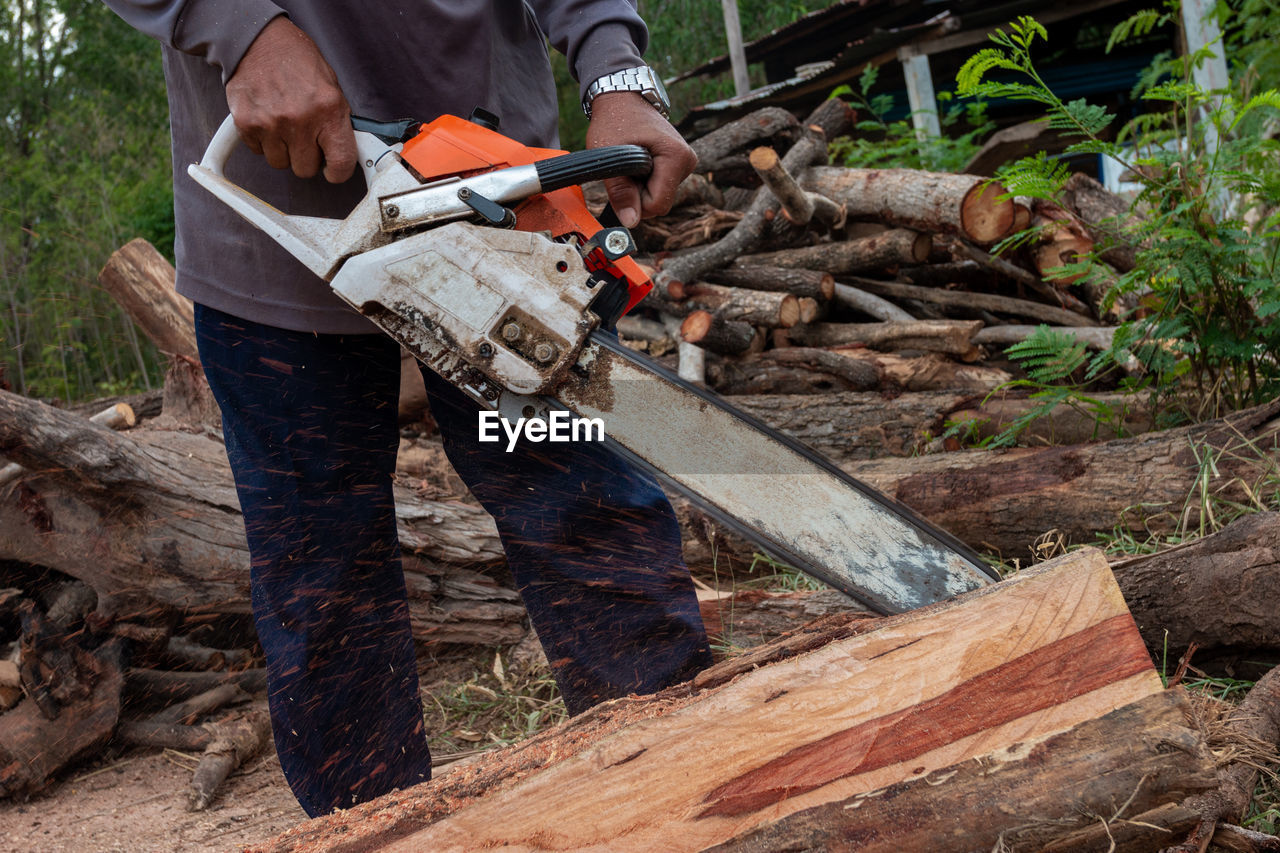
{"x":798,"y":206}
{"x":232,"y":745}
{"x":757,"y":307}
{"x":870,"y":304}
{"x":151,"y":521}
{"x":983,"y":681}
{"x":1216,"y":593}
{"x":950,"y":337}
{"x":141,"y":280}
{"x":868,"y":254}
{"x":1105,"y":214}
{"x":1005,"y":499}
{"x":927,"y":372}
{"x":33,"y":748}
{"x":713,"y":332}
{"x":984,"y":301}
{"x":748,"y":233}
{"x":965,"y":205}
{"x":736,"y":136}
{"x":814,"y":284}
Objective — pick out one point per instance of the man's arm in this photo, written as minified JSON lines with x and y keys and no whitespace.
{"x":284,"y":97}
{"x":599,"y":37}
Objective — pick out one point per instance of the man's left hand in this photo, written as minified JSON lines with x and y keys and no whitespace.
{"x":626,"y":118}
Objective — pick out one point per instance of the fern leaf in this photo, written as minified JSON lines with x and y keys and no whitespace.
{"x":1049,"y":355}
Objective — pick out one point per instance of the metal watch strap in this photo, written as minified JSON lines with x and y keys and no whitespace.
{"x":640,"y":79}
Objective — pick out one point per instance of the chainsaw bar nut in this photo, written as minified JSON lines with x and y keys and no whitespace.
{"x":511,"y":332}
{"x":545,"y":352}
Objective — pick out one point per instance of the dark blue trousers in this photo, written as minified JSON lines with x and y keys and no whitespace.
{"x":310,"y":429}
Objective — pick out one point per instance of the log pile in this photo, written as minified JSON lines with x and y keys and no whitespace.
{"x":795,"y":276}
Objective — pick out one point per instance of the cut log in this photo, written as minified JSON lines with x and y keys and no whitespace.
{"x":1094,"y":337}
{"x":184,"y":652}
{"x":868,"y":254}
{"x":233,"y":744}
{"x":757,"y":307}
{"x":845,"y":426}
{"x":1215,"y":594}
{"x":984,"y":301}
{"x":927,"y":372}
{"x":691,"y":364}
{"x":1004,"y":500}
{"x":141,"y":280}
{"x":1065,"y":241}
{"x":188,"y":711}
{"x":161,"y":688}
{"x":770,"y":371}
{"x":951,"y":337}
{"x":814,"y":284}
{"x":713,"y":332}
{"x":33,"y":748}
{"x":697,"y":189}
{"x":1053,"y":295}
{"x":737,"y":136}
{"x":965,"y":205}
{"x":833,"y":116}
{"x":151,"y":521}
{"x":798,"y":206}
{"x":870,"y":304}
{"x":1063,"y":425}
{"x":1106,"y":215}
{"x":846,"y":708}
{"x":748,"y":233}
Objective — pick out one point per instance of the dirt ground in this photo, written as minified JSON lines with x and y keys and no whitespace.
{"x":137,"y":802}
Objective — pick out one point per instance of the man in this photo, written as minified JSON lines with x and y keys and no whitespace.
{"x":308,"y":388}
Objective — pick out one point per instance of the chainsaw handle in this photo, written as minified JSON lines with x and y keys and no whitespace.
{"x":368,"y":148}
{"x":596,"y":164}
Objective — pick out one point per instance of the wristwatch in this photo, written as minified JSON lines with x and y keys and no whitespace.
{"x":639,"y":79}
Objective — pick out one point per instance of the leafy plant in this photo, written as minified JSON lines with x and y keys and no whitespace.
{"x":882,"y":143}
{"x":1207,"y":275}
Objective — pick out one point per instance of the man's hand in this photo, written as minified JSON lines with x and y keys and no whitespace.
{"x":622,"y":118}
{"x":287,"y":105}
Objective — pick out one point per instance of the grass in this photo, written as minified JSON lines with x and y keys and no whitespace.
{"x":492,"y":708}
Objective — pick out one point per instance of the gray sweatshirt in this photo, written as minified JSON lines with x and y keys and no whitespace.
{"x":394,"y":59}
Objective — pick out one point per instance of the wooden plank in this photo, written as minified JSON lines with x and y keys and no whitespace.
{"x":1013,"y":663}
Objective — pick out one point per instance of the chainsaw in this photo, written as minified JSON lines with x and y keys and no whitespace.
{"x":479,"y":255}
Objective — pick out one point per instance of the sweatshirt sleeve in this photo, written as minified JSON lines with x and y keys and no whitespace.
{"x":598,"y":37}
{"x":220,"y":31}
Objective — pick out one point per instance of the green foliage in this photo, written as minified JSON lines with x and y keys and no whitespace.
{"x":881,"y":143}
{"x":84,"y":167}
{"x":1206,"y":276}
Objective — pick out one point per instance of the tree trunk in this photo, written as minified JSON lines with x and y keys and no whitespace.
{"x":1005,"y":499}
{"x":1105,"y":214}
{"x":927,"y":372}
{"x":150,"y":520}
{"x":1011,"y":676}
{"x":965,"y":205}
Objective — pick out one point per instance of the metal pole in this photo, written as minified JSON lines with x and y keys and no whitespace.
{"x":1200,"y":29}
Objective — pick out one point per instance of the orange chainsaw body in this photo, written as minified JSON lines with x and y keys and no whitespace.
{"x":454,"y":147}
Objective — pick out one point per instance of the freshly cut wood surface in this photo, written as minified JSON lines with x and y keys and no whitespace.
{"x":693,"y":767}
{"x":142,"y":281}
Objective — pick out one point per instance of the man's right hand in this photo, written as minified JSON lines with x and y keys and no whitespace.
{"x":288,"y":106}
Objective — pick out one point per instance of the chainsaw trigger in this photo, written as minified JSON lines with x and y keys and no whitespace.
{"x":490,"y":211}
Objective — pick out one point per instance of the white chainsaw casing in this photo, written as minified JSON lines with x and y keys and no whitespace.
{"x":449,"y":294}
